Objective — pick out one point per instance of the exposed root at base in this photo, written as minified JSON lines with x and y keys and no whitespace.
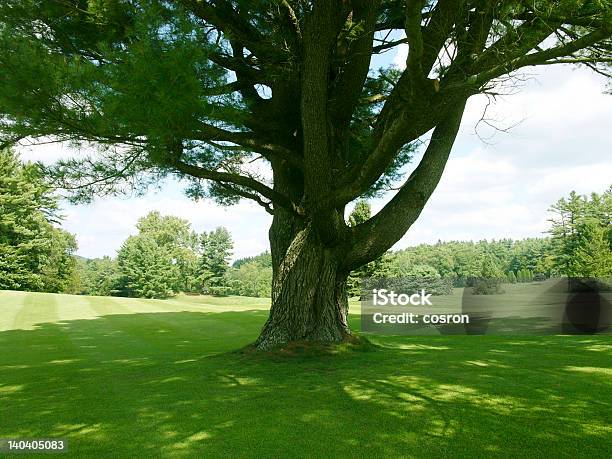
{"x":305,"y":348}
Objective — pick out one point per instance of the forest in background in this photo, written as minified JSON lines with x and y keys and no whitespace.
{"x":168,"y":257}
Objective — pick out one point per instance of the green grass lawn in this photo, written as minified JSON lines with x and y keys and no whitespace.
{"x":129,"y":378}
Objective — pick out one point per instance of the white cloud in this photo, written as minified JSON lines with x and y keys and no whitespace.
{"x":402,"y":54}
{"x":503,"y":187}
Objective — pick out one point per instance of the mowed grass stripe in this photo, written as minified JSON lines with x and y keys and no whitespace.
{"x":218,"y":304}
{"x":73,"y":307}
{"x":10,"y":305}
{"x":154,"y":324}
{"x":132,"y":325}
{"x":37,"y":308}
{"x":103,"y":305}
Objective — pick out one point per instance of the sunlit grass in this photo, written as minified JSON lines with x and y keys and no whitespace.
{"x":133,"y":378}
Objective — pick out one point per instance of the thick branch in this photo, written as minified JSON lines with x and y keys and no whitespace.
{"x":438,"y":29}
{"x":248,"y":195}
{"x":406,"y":123}
{"x":221,"y":14}
{"x":514,"y":43}
{"x":414,"y":62}
{"x":354,"y":72}
{"x":376,"y":235}
{"x":212,"y":133}
{"x":235,"y":179}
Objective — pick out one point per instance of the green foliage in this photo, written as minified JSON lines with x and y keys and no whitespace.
{"x":487,"y":287}
{"x":153,"y":78}
{"x":411,"y":284}
{"x":533,"y":254}
{"x":115,"y":71}
{"x":490,"y":279}
{"x":463,"y":261}
{"x":490,"y":268}
{"x":165,"y":257}
{"x":582,"y":234}
{"x":415,"y":271}
{"x":216,"y":248}
{"x":60,"y":263}
{"x":161,"y":260}
{"x":34,"y":255}
{"x":593,"y":256}
{"x":220,"y":290}
{"x":524,"y":275}
{"x":175,"y":236}
{"x":361,"y":212}
{"x":263,"y":259}
{"x":253,"y":278}
{"x":147,"y":269}
{"x":99,"y":277}
{"x":413,"y":276}
{"x":539,"y":277}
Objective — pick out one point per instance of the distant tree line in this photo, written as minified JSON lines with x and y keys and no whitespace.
{"x":167,"y":257}
{"x":579,"y":245}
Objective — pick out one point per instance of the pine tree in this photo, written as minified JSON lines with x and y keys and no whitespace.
{"x":148,"y":269}
{"x":216,"y":248}
{"x":593,"y":256}
{"x":161,"y":260}
{"x":34,"y":255}
{"x":582,"y":233}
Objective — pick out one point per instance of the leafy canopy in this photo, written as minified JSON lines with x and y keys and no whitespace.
{"x":161,"y":260}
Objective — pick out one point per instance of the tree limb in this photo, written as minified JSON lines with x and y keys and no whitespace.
{"x":236,"y":179}
{"x":376,"y":235}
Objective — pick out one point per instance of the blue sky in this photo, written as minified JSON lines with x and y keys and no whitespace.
{"x":496,"y":184}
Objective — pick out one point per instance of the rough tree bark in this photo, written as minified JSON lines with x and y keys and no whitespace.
{"x":309,"y":299}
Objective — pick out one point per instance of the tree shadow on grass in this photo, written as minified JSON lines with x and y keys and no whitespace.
{"x":170,"y":384}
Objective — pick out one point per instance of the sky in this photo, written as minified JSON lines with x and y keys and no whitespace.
{"x":552,"y":136}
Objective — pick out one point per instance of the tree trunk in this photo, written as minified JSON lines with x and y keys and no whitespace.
{"x":309,"y":297}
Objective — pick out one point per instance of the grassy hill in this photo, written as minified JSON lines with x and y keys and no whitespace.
{"x":127,"y":378}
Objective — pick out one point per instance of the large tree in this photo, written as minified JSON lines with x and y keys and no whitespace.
{"x":202,"y":89}
{"x":161,"y":260}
